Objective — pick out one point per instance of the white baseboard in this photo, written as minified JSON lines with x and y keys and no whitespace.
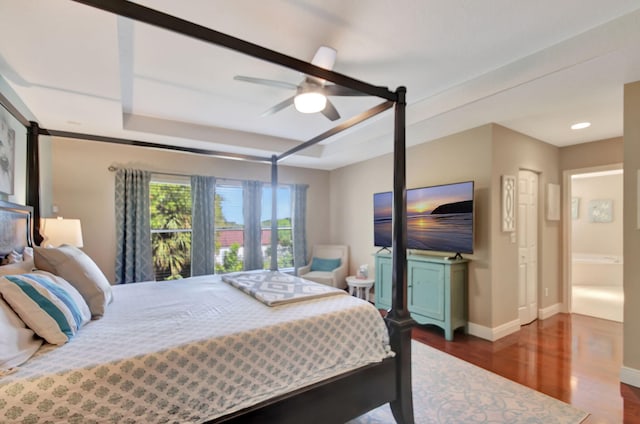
{"x":493,"y":334}
{"x":630,"y":376}
{"x":549,"y":311}
{"x":479,"y":331}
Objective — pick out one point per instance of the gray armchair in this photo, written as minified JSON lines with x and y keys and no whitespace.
{"x":329,"y":265}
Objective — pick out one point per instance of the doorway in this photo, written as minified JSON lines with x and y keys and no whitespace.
{"x":595,"y":260}
{"x":527,"y":229}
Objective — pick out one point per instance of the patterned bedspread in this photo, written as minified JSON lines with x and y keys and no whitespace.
{"x":276,"y":288}
{"x":188,"y":351}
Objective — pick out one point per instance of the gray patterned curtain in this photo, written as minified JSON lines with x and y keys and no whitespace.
{"x":203,"y":190}
{"x":299,"y":224}
{"x":134,"y":261}
{"x":252,"y":205}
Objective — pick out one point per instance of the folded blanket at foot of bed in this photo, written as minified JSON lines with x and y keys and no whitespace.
{"x":276,"y":288}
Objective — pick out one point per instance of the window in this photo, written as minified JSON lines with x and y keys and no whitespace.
{"x":170,"y":207}
{"x":285,"y":233}
{"x":229,"y":228}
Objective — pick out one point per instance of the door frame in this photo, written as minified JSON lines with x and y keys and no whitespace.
{"x":567,"y":226}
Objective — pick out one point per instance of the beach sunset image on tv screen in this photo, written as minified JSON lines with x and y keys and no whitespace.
{"x":382,"y":213}
{"x":439,"y":218}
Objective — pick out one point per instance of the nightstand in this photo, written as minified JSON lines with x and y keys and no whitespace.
{"x":360,"y":287}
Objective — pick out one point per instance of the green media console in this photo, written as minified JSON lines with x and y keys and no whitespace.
{"x":437,"y":290}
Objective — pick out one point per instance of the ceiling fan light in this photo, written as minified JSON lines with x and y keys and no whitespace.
{"x":310,"y":102}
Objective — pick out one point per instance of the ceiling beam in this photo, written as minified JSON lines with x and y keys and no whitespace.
{"x":128,"y":142}
{"x":339,"y":128}
{"x":163,"y":20}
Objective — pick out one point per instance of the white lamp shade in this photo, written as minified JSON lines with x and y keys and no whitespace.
{"x":325,"y":57}
{"x":58,"y":231}
{"x":310,"y":102}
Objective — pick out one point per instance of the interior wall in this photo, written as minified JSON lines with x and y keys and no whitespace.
{"x":631,"y":357}
{"x":593,"y":154}
{"x":597,"y":237}
{"x":513,"y":151}
{"x":83,"y":187}
{"x":461,"y":157}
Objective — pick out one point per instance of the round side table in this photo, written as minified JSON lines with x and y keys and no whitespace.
{"x":360,"y":287}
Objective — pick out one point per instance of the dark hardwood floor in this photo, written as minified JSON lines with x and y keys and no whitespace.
{"x":574,"y":358}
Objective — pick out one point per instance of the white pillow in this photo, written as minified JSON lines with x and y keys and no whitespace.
{"x":46,"y":308}
{"x":17,"y":342}
{"x":27,"y":253}
{"x":77,"y":268}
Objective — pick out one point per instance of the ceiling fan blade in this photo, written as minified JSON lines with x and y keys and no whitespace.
{"x":325,"y":57}
{"x":330,"y":111}
{"x":262,"y":81}
{"x":283,"y":104}
{"x":338,"y":90}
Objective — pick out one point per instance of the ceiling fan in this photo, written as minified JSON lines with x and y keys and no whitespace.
{"x":312,"y":92}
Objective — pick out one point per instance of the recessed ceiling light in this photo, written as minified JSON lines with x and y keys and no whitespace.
{"x":580,"y":125}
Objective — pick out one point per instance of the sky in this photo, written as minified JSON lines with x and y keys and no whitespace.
{"x":232,"y":204}
{"x":423,"y":200}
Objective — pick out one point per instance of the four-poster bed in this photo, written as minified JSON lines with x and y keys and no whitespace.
{"x":340,"y":397}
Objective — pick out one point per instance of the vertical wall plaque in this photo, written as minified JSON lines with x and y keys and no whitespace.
{"x":508,"y":203}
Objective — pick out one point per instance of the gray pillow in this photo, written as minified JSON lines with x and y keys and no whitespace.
{"x":77,"y":268}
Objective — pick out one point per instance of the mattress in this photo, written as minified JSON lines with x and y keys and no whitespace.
{"x":189,"y":351}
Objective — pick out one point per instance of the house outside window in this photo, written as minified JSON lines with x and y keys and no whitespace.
{"x":285,"y":230}
{"x":229,"y":228}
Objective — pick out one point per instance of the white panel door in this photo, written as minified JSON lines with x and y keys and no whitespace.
{"x":527,"y":227}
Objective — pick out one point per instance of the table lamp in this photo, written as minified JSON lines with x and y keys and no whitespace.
{"x":58,"y":231}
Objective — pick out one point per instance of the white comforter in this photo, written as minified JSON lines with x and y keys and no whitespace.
{"x":189,"y":351}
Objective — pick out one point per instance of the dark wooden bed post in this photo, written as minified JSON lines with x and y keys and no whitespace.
{"x":398,"y":319}
{"x":33,"y":178}
{"x":274,"y":213}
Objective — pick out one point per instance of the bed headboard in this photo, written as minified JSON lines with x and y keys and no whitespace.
{"x":16,"y":227}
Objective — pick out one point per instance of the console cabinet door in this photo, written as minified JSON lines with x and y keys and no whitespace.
{"x":383,"y":282}
{"x":426,"y":294}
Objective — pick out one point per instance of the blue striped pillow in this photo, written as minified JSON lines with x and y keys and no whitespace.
{"x":48,"y":309}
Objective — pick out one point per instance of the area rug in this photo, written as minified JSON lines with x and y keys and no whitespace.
{"x":449,"y":390}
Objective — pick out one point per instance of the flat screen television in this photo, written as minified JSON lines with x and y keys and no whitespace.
{"x":382,"y":213}
{"x":439,"y":218}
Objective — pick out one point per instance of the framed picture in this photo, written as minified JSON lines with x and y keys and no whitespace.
{"x":601,"y":210}
{"x":7,"y":156}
